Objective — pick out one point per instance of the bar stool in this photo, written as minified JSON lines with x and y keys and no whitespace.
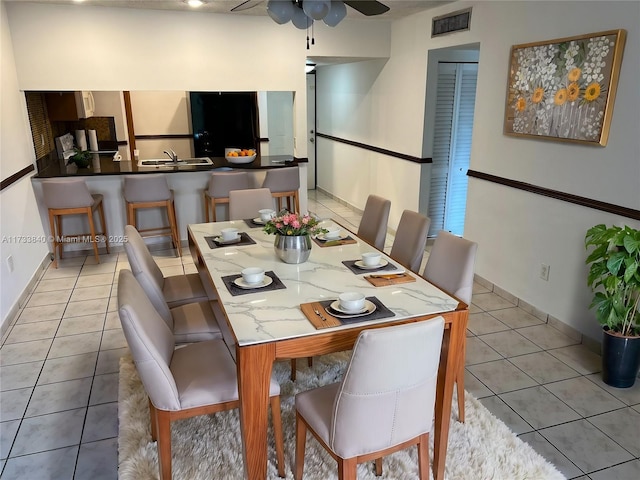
{"x":284,"y":183}
{"x":151,"y":191}
{"x":220,"y":184}
{"x":72,"y":197}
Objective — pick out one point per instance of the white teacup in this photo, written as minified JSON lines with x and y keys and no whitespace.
{"x":351,"y":301}
{"x":253,"y":275}
{"x":266,"y":214}
{"x":332,"y":232}
{"x":371,"y":259}
{"x":229,"y":234}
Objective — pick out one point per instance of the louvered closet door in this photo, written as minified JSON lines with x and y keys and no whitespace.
{"x":452,"y":146}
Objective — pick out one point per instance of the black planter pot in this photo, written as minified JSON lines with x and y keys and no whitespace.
{"x":620,"y":359}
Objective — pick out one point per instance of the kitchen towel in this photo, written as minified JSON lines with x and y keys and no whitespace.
{"x":93,"y":140}
{"x":81,"y":140}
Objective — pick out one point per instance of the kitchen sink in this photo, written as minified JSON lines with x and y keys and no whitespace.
{"x":165,"y":162}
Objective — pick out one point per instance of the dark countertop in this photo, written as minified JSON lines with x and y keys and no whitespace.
{"x":103,"y":164}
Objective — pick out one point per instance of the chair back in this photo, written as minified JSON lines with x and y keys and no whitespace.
{"x":146,"y":188}
{"x":221,"y":183}
{"x":410,"y":240}
{"x":150,"y":341}
{"x":284,"y":179}
{"x":451,"y":264}
{"x":246,"y":203}
{"x":146,"y":271}
{"x":64,"y":193}
{"x":373,"y":226}
{"x":387,"y":395}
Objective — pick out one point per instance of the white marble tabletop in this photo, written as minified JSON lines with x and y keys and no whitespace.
{"x":266,"y":316}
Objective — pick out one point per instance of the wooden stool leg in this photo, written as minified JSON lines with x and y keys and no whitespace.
{"x":52,"y":226}
{"x":104,"y":227}
{"x":213,"y":209}
{"x":206,"y":207}
{"x":60,"y":242}
{"x":174,"y":226}
{"x":92,"y":229}
{"x":296,"y":199}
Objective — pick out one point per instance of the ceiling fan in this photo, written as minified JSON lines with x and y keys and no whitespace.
{"x":365,"y":7}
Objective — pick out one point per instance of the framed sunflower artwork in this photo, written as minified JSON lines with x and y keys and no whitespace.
{"x":564,"y":89}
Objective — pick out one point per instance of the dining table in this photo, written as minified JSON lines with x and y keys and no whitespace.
{"x":270,"y":323}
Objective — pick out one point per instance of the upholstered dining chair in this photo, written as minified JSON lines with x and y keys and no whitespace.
{"x":220,"y":184}
{"x":385,"y":402}
{"x":375,"y":217}
{"x":450,"y":266}
{"x":72,"y":197}
{"x":175,"y":289}
{"x":197,"y":379}
{"x":410,"y":240}
{"x":245,"y":204}
{"x":284,"y":183}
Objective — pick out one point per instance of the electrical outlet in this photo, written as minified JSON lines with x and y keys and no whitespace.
{"x":544,"y":271}
{"x":10,"y":265}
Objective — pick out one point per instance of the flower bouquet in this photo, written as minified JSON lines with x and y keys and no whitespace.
{"x":293,"y":225}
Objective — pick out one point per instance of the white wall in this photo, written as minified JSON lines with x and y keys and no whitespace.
{"x":21,"y":231}
{"x":517,"y":231}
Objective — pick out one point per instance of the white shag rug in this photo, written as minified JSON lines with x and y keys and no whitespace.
{"x":209,"y":447}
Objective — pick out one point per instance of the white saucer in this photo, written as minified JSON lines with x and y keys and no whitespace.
{"x":322,"y":238}
{"x":218,"y":239}
{"x":266,"y":281}
{"x":338,"y":312}
{"x":259,"y":221}
{"x":360,"y":264}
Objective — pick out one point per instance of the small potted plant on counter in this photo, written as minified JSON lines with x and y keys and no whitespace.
{"x":81,"y":159}
{"x":614,"y":277}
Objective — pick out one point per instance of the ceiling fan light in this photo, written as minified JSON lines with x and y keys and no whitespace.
{"x":316,"y":9}
{"x":280,"y":11}
{"x":300,"y":19}
{"x":336,"y":14}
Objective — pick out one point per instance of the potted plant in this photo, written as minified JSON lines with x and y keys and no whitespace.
{"x":292,"y":231}
{"x":614,"y":277}
{"x":80,"y":158}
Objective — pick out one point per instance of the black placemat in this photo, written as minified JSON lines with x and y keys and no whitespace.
{"x":250,"y":223}
{"x":380,"y":312}
{"x":234,"y":290}
{"x":245,"y":239}
{"x":350,"y":264}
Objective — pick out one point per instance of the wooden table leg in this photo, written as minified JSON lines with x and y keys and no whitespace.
{"x":254,"y":364}
{"x":451,"y":350}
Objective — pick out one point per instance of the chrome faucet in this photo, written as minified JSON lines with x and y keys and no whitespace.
{"x":172,"y":155}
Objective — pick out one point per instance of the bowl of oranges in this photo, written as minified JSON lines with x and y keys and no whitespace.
{"x":239,"y":155}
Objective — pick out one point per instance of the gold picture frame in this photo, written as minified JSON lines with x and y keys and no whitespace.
{"x":564,"y":89}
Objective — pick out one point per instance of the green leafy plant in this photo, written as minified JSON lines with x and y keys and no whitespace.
{"x":614,"y":276}
{"x":293,"y":225}
{"x":81,"y":159}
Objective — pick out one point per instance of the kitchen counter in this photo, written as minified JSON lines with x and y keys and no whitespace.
{"x":103,"y":164}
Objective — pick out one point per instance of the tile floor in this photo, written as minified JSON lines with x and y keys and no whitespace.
{"x":59,"y":377}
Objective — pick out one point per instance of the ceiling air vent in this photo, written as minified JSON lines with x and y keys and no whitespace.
{"x":451,"y":22}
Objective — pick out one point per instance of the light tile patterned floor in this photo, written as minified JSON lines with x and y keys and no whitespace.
{"x":59,"y":377}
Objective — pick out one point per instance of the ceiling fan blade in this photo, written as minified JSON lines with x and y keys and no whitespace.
{"x":368,"y":7}
{"x":246,"y":5}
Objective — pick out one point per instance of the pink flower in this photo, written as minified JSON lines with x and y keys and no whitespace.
{"x":296,"y":224}
{"x":279,"y":225}
{"x":305,"y":220}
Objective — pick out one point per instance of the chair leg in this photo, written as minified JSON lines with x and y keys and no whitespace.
{"x":154,"y":425}
{"x":104,"y":227}
{"x":378,"y":467}
{"x":174,"y":227}
{"x":206,"y":207}
{"x":52,"y":227}
{"x":293,"y":369}
{"x":164,"y":443}
{"x":60,"y":242}
{"x":310,"y":361}
{"x":131,"y":215}
{"x":296,"y":199}
{"x":277,"y":433}
{"x":347,"y":468}
{"x":301,"y":440}
{"x":92,"y":229}
{"x":460,"y":383}
{"x":213,"y":209}
{"x":423,"y":456}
